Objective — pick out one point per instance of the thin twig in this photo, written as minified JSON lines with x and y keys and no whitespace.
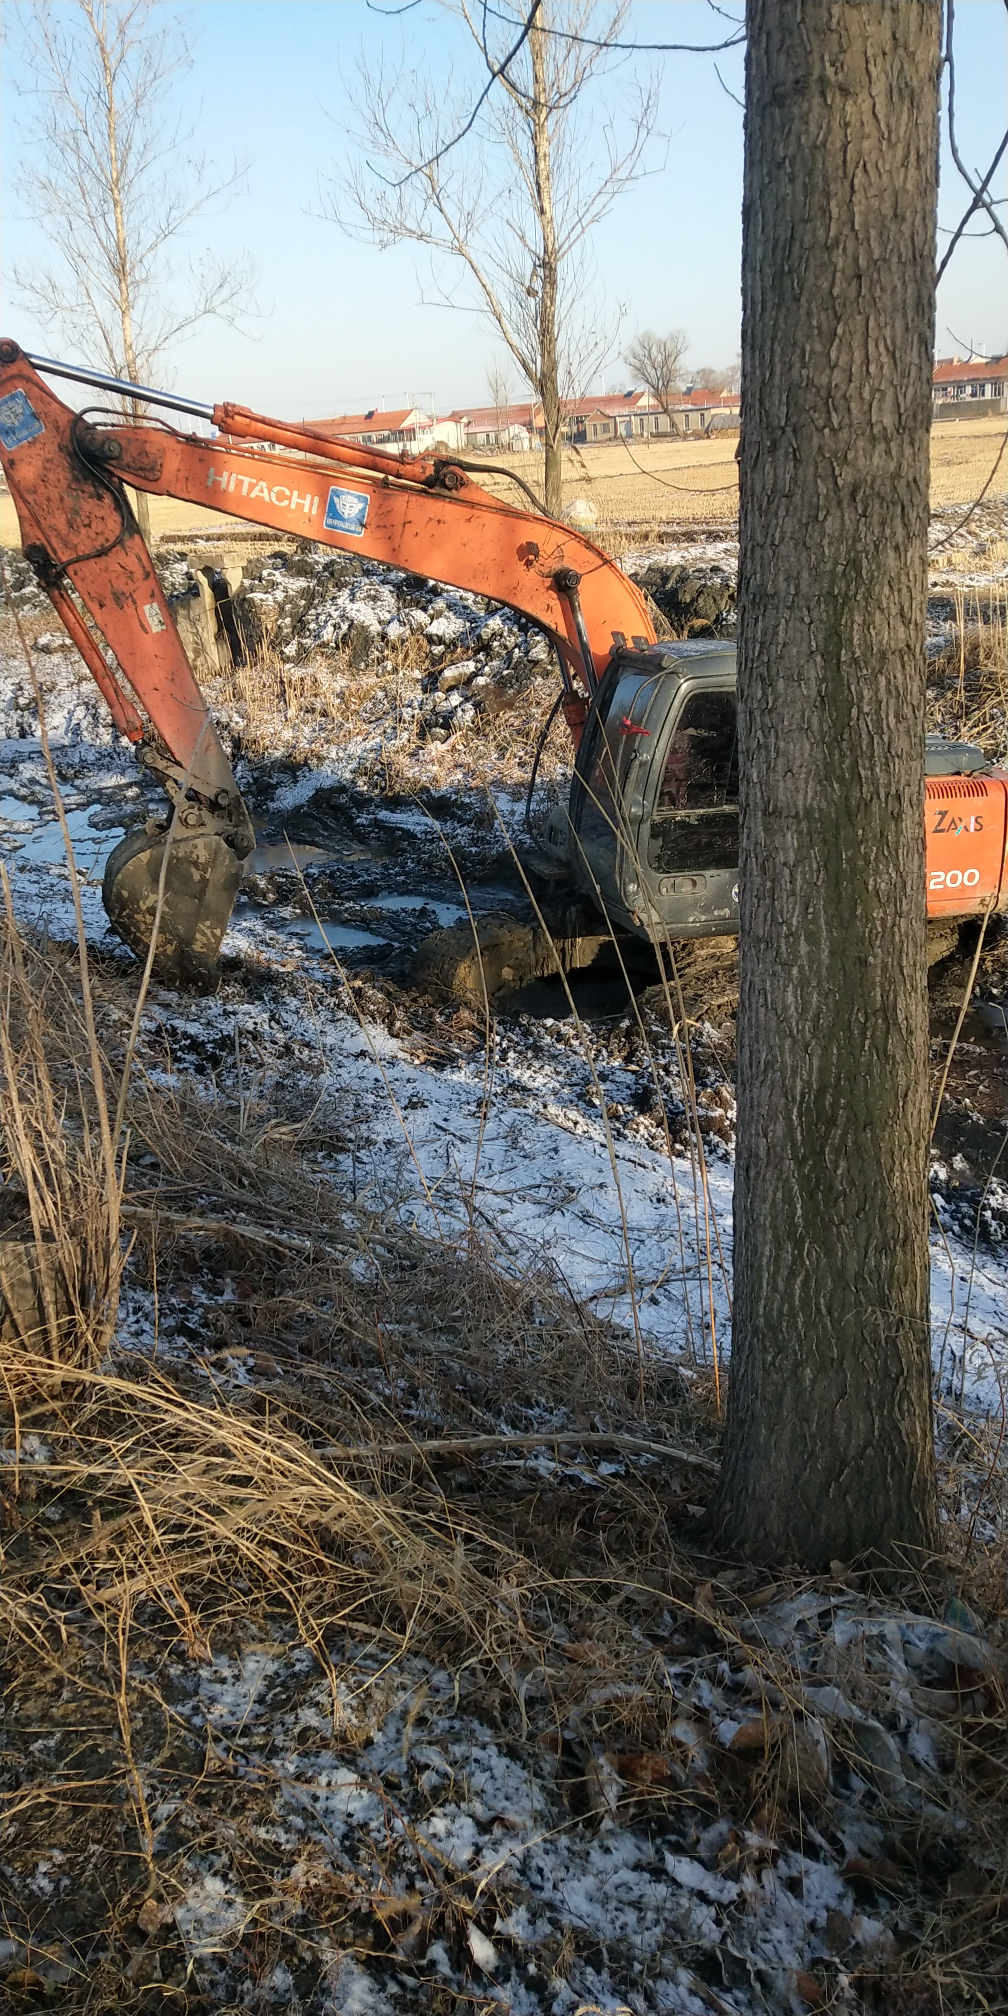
{"x":961,"y":1017}
{"x":565,"y":1438}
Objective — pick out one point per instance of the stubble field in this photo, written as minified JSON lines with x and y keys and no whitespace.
{"x":642,"y":488}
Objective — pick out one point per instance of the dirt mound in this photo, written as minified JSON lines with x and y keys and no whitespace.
{"x":694,"y":601}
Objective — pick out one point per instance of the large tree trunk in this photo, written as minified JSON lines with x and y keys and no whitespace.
{"x":829,"y":1436}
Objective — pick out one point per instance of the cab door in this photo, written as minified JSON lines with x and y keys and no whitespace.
{"x":610,"y":781}
{"x":688,"y":840}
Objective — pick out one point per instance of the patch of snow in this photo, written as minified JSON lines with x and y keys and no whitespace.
{"x":210,"y":1916}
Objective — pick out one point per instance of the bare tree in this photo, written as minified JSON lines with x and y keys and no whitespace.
{"x":109,"y":178}
{"x":656,"y":362}
{"x":829,"y":1451}
{"x":513,"y":192}
{"x":499,"y":387}
{"x":709,"y":378}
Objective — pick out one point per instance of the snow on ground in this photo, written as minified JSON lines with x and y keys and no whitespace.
{"x":437,"y":1792}
{"x":522,"y":1143}
{"x":520,"y":1139}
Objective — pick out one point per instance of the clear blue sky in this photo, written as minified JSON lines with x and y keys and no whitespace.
{"x":349,"y":325}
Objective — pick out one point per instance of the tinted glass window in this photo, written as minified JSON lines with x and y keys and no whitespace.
{"x":695,"y":842}
{"x":701,"y":768}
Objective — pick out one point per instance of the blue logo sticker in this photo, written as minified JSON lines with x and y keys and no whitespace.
{"x":19,"y":421}
{"x":347,"y":511}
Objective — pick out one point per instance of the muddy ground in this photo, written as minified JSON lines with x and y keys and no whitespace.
{"x":531,"y":1746}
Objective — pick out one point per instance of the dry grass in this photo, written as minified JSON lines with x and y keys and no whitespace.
{"x":169,"y":517}
{"x":968,"y":682}
{"x":267,"y":1481}
{"x":641,"y":488}
{"x":60,"y":1263}
{"x":963,"y":454}
{"x":954,"y":560}
{"x":275,"y":708}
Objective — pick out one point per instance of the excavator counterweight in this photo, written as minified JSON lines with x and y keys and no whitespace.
{"x":652,"y":828}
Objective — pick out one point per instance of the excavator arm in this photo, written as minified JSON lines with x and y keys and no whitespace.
{"x":66,"y":472}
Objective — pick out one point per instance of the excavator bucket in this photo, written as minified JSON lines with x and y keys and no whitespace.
{"x":179,"y":881}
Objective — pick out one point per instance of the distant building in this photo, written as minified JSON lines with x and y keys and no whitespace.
{"x":404,"y":429}
{"x":513,"y":427}
{"x":627,"y":415}
{"x":615,"y":416}
{"x":508,"y":426}
{"x":972,"y":386}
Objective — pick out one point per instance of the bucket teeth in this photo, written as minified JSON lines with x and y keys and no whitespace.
{"x":195,"y":871}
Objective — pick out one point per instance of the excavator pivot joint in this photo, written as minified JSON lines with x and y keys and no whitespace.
{"x":101,"y":447}
{"x":444,"y":476}
{"x":47,"y":571}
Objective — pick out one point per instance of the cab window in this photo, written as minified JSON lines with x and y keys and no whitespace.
{"x":694,"y":825}
{"x":701,"y":766}
{"x":599,"y":818}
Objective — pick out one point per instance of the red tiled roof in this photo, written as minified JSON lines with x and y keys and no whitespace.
{"x":698,"y":396}
{"x":610,"y":403}
{"x":950,"y":371}
{"x":481,"y":417}
{"x":374,"y":422}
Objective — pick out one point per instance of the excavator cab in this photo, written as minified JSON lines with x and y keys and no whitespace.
{"x":653,"y":817}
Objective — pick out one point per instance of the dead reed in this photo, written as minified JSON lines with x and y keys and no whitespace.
{"x":59,"y":1268}
{"x":968,"y":679}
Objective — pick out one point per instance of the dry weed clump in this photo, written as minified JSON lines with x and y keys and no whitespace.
{"x":60,"y":1250}
{"x":276,"y":707}
{"x":968,"y":680}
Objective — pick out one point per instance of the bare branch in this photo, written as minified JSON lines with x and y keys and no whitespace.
{"x":513,"y":207}
{"x":640,"y":48}
{"x":978,"y":189}
{"x":112,"y":181}
{"x":977,"y":204}
{"x":496,"y":71}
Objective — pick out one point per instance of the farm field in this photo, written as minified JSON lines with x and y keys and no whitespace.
{"x":644,"y":489}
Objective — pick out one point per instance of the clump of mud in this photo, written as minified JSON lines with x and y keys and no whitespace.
{"x":692,"y":601}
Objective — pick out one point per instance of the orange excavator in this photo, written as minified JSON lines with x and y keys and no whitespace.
{"x":651,"y":831}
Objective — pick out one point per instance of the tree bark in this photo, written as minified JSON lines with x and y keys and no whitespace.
{"x":548,"y":279}
{"x":829,"y":1446}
